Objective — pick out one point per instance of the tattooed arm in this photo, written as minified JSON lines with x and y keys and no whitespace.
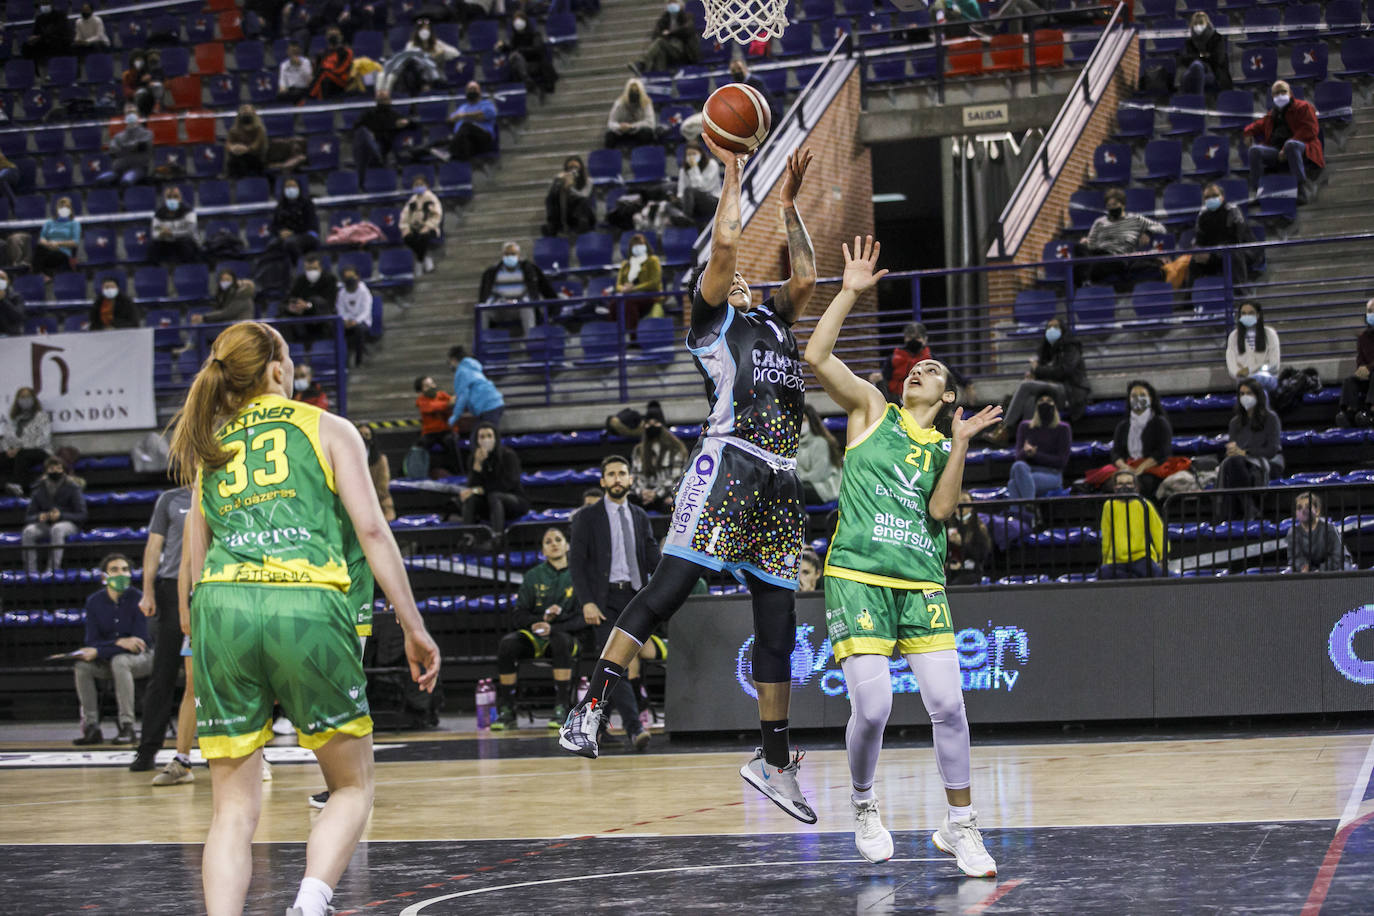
{"x":720,"y":269}
{"x":791,"y":299}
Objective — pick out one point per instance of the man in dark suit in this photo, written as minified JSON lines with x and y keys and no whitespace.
{"x":612,"y":555}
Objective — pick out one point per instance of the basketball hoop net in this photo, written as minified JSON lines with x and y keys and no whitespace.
{"x":745,"y":21}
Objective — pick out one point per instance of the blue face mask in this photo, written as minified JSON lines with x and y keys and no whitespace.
{"x":293,"y":192}
{"x":674,"y":8}
{"x":173,"y":204}
{"x":1369,"y":319}
{"x":1212,"y":203}
{"x":1052,"y":335}
{"x":1249,"y":321}
{"x":509,"y":260}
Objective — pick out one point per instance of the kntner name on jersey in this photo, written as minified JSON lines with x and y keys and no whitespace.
{"x":777,"y":369}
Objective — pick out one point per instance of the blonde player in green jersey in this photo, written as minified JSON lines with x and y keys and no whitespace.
{"x":277,"y":485}
{"x":885,"y":571}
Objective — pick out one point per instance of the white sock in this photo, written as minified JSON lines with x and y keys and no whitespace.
{"x":957,"y":813}
{"x":313,"y":897}
{"x":185,"y":759}
{"x":860,"y":795}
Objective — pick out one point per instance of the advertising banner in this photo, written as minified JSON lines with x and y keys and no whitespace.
{"x":89,"y":382}
{"x":1205,"y":647}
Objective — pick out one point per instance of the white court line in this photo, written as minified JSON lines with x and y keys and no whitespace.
{"x":416,"y":908}
{"x":1352,"y":804}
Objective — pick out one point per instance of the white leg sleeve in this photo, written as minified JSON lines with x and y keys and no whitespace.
{"x":869,"y":683}
{"x":937,"y":674}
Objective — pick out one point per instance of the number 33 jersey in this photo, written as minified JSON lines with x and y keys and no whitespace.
{"x":274,"y":515}
{"x":885,"y":534}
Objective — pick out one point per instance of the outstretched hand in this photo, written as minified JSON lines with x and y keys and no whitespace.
{"x":965,"y":429}
{"x":858,"y":267}
{"x":797,"y":164}
{"x":727,"y":157}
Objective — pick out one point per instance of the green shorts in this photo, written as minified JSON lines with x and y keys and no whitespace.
{"x":360,"y":597}
{"x":865,"y":619}
{"x":257,"y":644}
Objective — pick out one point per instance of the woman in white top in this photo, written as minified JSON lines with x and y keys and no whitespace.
{"x":632,"y":117}
{"x":354,"y":305}
{"x":424,"y":39}
{"x":820,"y":460}
{"x":1252,"y":350}
{"x":698,"y":183}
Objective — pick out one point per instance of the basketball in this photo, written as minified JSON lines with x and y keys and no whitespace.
{"x":736,"y":116}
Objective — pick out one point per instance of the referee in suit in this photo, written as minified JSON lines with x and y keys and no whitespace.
{"x":612,"y":555}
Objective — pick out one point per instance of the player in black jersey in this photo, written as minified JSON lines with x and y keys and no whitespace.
{"x":739,"y":506}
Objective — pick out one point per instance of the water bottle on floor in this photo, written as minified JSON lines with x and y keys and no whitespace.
{"x":486,"y":703}
{"x":582,"y":687}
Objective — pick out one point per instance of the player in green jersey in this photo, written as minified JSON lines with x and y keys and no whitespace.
{"x":885,"y":572}
{"x":266,"y":546}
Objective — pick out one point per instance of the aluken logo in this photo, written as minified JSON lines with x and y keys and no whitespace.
{"x":1341,"y":645}
{"x":693,"y":492}
{"x":989,"y":659}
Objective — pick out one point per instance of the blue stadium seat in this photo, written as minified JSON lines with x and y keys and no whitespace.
{"x":257,"y":233}
{"x":337,"y":219}
{"x":1158,"y":9}
{"x":322,"y":153}
{"x":483,"y":35}
{"x":1258,"y":67}
{"x":387,"y":219}
{"x":546,"y":345}
{"x":75,"y":324}
{"x":553,"y":255}
{"x":41,"y":324}
{"x":99,"y":69}
{"x":150,"y":283}
{"x":455,"y":181}
{"x":35,"y":207}
{"x":31,"y":287}
{"x":1153,"y":300}
{"x":249,"y":56}
{"x":1300,"y":21}
{"x":19,"y":74}
{"x":49,"y":142}
{"x":657,"y":340}
{"x":136,"y":243}
{"x":678,"y":244}
{"x":1163,"y":161}
{"x":1093,"y":306}
{"x":604,"y":166}
{"x":1235,"y":190}
{"x":1236,"y":108}
{"x":395,"y":267}
{"x":252,"y":191}
{"x":648,"y":164}
{"x":1357,"y":57}
{"x":1134,"y":121}
{"x":191,"y":281}
{"x":1181,"y":203}
{"x":1344,"y":16}
{"x":1278,"y":197}
{"x":361,"y":261}
{"x":1140,"y":199}
{"x":1211,"y":156}
{"x":279,"y":125}
{"x":341,"y":184}
{"x":1309,"y":61}
{"x":176,"y":61}
{"x":206,"y":160}
{"x":1111,"y":164}
{"x":595,"y":251}
{"x":1187,"y":114}
{"x":369,"y":43}
{"x":1084,"y":208}
{"x":560,"y":29}
{"x":600,"y":344}
{"x":1261,"y":26}
{"x":99,"y":245}
{"x":62,"y":71}
{"x":1209,"y":299}
{"x":223,"y":88}
{"x":69,"y":286}
{"x":318,"y":122}
{"x":214,"y":193}
{"x":379,"y":181}
{"x":1034,"y":307}
{"x":1334,"y":100}
{"x":58,"y":172}
{"x":86,"y":137}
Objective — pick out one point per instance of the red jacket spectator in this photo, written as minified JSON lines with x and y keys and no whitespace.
{"x":434,"y":412}
{"x":314,"y":394}
{"x":1301,"y":119}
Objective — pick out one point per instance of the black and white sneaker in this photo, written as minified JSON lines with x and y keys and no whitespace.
{"x":582,"y":731}
{"x":319,"y":799}
{"x":779,"y":784}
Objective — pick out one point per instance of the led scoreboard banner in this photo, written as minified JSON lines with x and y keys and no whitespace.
{"x":1160,"y":649}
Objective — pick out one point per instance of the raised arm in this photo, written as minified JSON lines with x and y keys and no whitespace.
{"x":858,"y":398}
{"x":946,"y":495}
{"x":719,"y":275}
{"x":791,"y":300}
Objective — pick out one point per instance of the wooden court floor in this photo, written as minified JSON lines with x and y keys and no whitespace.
{"x":1186,"y":808}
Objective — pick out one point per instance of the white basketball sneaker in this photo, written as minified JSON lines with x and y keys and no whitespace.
{"x":870,"y":836}
{"x":779,"y":784}
{"x":962,"y":840}
{"x":581,"y":733}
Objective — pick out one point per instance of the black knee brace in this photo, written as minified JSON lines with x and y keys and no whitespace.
{"x":668,"y":588}
{"x":561,"y":649}
{"x":509,"y":651}
{"x":775,"y":631}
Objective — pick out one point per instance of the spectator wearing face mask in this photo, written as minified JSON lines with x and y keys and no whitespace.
{"x":312,"y":295}
{"x":494,"y":492}
{"x":174,"y":235}
{"x":295,"y":76}
{"x":354,"y":305}
{"x":473,"y":392}
{"x":1252,"y":349}
{"x":131,"y":152}
{"x":58,"y":241}
{"x":435,"y":405}
{"x":25,"y":440}
{"x":514,"y":279}
{"x":1057,"y":370}
{"x":374,"y":136}
{"x":113,"y":308}
{"x":969,"y":545}
{"x":90,"y":31}
{"x":568,"y":205}
{"x":305,"y":388}
{"x":1132,"y":534}
{"x":1220,"y":223}
{"x":11,"y":308}
{"x":295,"y":225}
{"x":1285,"y":138}
{"x":245,"y":147}
{"x":426,"y":42}
{"x":1254,"y":443}
{"x":116,"y":650}
{"x":1204,"y":62}
{"x":1314,"y":544}
{"x":698,"y":183}
{"x":1042,"y":452}
{"x":422,"y":219}
{"x":1145,"y":439}
{"x":528,"y":59}
{"x":1117,"y":233}
{"x":739,"y":73}
{"x":56,"y":511}
{"x":333,"y":68}
{"x":631,"y":122}
{"x":900,"y":361}
{"x":143,"y":82}
{"x":657,"y":462}
{"x":1357,"y":394}
{"x":233,"y":300}
{"x":474,"y":125}
{"x":640,"y":273}
{"x":676,"y":41}
{"x":52,"y":34}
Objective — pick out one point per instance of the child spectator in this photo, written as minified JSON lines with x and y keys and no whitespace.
{"x":1357,"y":395}
{"x":1314,"y":544}
{"x":657,"y":462}
{"x":1252,"y":350}
{"x":1042,"y":452}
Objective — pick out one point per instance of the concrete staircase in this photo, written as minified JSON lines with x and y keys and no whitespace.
{"x":507,"y":204}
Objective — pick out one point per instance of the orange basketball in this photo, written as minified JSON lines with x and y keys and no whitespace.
{"x":737,"y":117}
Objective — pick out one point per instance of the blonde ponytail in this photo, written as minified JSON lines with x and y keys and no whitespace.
{"x":232,"y":375}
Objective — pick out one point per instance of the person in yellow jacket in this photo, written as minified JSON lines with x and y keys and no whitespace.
{"x":641,"y":272}
{"x":1132,"y":534}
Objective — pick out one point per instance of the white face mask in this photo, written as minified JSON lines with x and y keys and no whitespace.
{"x":64,"y":212}
{"x":1281,"y":101}
{"x":692,"y":158}
{"x":131,"y":120}
{"x":293,"y":192}
{"x":225,"y":284}
{"x":519,"y":24}
{"x":638,"y":251}
{"x":1199,"y":29}
{"x":110,"y":291}
{"x":1248,"y":401}
{"x":4,"y":285}
{"x":424,"y":34}
{"x":312,"y":275}
{"x":301,"y":384}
